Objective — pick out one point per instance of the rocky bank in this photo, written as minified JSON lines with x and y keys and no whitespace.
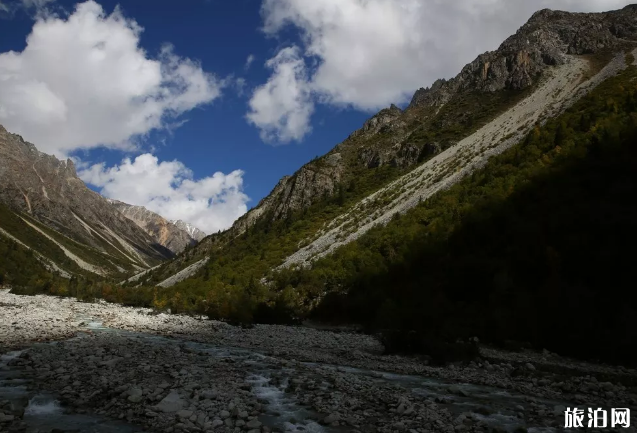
{"x":171,"y":373}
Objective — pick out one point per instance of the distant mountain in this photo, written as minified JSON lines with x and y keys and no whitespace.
{"x":193,"y":231}
{"x":175,"y":236}
{"x":49,"y":202}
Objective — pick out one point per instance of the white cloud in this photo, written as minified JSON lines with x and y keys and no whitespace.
{"x":168,"y":188}
{"x":84,"y":81}
{"x":372,"y":53}
{"x":282,"y":107}
{"x":249,"y":61}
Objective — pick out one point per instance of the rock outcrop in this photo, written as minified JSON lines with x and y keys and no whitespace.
{"x":543,"y":41}
{"x":172,"y":235}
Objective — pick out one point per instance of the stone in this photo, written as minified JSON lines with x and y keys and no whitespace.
{"x":135,"y":395}
{"x":331,"y":418}
{"x":253,"y":424}
{"x":184,"y":413}
{"x":171,"y":403}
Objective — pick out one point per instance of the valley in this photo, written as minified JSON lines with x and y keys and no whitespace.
{"x":458,"y":265}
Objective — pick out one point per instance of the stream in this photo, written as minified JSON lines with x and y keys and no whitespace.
{"x":498,"y":408}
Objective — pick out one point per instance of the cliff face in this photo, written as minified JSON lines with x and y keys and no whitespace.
{"x":48,"y":190}
{"x":173,"y":236}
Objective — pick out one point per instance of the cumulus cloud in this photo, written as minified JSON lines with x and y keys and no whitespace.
{"x":169,"y":189}
{"x":371,"y":53}
{"x":281,"y":108}
{"x":84,"y":82}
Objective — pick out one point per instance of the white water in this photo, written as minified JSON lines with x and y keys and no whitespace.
{"x":42,"y":406}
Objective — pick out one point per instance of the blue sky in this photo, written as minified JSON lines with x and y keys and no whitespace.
{"x":193,"y":132}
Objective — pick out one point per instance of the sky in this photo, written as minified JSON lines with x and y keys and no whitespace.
{"x":195,"y":109}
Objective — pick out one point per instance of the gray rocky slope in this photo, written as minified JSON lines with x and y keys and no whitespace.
{"x":51,"y":199}
{"x":175,"y":236}
{"x":555,"y":58}
{"x":193,"y":231}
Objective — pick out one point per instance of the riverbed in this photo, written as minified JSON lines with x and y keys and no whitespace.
{"x":100,"y":367}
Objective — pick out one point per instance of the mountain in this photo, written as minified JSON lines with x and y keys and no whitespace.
{"x":401,"y":157}
{"x":192,"y":231}
{"x":499,"y":203}
{"x":440,"y":116}
{"x":175,"y":236}
{"x":45,"y":202}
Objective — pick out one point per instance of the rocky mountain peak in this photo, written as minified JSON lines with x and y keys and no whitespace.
{"x":174,"y":235}
{"x":194,"y":232}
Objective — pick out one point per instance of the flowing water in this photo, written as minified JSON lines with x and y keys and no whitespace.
{"x":269,"y":382}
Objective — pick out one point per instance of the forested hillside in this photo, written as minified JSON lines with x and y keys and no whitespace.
{"x":538,"y":246}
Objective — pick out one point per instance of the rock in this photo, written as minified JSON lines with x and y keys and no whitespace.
{"x":171,"y":403}
{"x":217,"y":422}
{"x":530,"y":366}
{"x":331,"y":418}
{"x":184,"y":413}
{"x":253,"y":424}
{"x":224,"y":414}
{"x":209,"y":394}
{"x":135,"y":395}
{"x":6,"y":418}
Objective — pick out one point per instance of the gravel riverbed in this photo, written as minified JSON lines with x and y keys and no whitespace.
{"x":171,"y":373}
